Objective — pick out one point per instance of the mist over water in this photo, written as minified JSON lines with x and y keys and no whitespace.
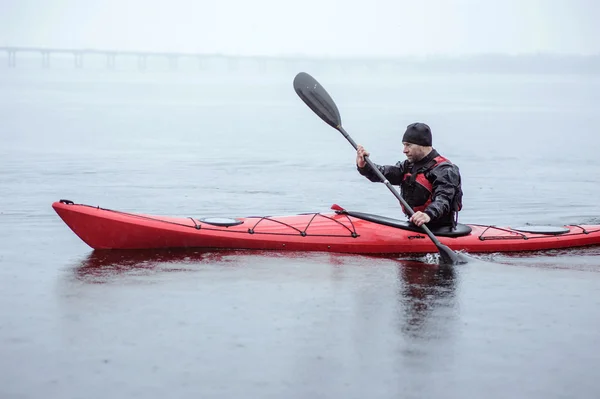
{"x":233,"y":139}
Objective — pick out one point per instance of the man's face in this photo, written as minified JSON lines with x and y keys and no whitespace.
{"x":413,"y":152}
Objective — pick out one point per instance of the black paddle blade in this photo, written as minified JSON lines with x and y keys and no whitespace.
{"x":317,"y":99}
{"x":449,"y":257}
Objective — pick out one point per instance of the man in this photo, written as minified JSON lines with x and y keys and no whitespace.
{"x":430,"y":184}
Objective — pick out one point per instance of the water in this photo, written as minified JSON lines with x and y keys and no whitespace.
{"x":76,"y":323}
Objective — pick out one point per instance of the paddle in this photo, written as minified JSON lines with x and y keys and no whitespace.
{"x":317,"y":99}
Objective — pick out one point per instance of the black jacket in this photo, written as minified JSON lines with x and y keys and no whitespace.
{"x":446,"y":186}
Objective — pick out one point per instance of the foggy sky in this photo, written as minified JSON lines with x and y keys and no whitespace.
{"x":308,"y":27}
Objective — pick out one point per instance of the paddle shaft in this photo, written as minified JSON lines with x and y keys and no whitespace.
{"x":390,"y":187}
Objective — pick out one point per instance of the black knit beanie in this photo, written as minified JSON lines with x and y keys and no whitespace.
{"x":418,"y":133}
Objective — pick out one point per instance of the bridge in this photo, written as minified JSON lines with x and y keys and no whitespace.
{"x":491,"y":63}
{"x":111,"y":56}
{"x":172,"y":58}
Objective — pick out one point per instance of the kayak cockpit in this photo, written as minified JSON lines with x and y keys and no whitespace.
{"x":459,"y":231}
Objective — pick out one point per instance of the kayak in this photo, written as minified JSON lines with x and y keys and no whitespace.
{"x":340,"y":230}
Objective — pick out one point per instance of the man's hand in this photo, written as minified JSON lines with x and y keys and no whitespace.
{"x":419,"y":218}
{"x":360,"y":156}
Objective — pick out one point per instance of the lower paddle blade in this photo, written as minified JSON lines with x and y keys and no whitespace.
{"x":448,"y":256}
{"x":317,"y":99}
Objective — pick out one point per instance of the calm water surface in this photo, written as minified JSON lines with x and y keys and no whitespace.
{"x":78,"y":323}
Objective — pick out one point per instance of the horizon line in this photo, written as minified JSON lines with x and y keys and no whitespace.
{"x":372,"y":57}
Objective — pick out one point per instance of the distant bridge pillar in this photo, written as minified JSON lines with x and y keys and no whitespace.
{"x":12,"y":58}
{"x":45,"y":59}
{"x":110,"y":60}
{"x":142,"y":62}
{"x":78,"y":60}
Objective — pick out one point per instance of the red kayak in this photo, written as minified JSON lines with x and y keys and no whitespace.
{"x":339,"y":231}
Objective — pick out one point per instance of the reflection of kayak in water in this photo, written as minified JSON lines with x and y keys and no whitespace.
{"x":418,"y":298}
{"x":100,"y":264}
{"x":340,"y":231}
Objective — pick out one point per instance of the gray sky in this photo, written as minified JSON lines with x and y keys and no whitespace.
{"x":307,"y":27}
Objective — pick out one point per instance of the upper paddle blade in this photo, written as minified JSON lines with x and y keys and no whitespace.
{"x":317,"y":98}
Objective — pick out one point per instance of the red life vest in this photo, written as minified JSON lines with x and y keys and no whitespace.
{"x":417,"y":189}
